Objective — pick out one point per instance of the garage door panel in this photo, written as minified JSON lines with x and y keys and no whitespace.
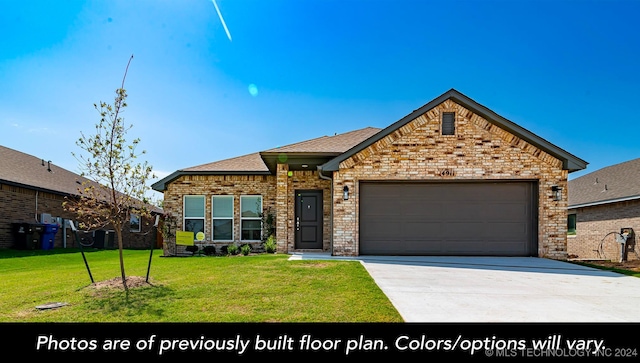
{"x":464,"y":247}
{"x":469,"y":211}
{"x":383,"y":228}
{"x":417,"y":230}
{"x":518,"y":249}
{"x":464,"y":229}
{"x":419,"y":247}
{"x":510,"y":230}
{"x":478,"y":218}
{"x":426,"y":211}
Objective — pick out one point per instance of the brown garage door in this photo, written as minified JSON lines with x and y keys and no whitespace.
{"x":463,"y":218}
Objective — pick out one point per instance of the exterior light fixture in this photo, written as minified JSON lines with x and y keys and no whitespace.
{"x":557,"y":192}
{"x":345,"y":193}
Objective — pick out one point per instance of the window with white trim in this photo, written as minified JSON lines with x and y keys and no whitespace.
{"x":222,"y":217}
{"x":194,"y":213}
{"x":250,"y":217}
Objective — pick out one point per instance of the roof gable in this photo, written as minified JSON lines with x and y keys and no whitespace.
{"x":570,"y":162}
{"x":607,"y":185}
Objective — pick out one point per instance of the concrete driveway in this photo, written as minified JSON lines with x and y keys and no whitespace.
{"x":500,"y":289}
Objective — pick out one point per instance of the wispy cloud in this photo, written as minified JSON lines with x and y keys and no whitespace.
{"x":42,"y":130}
{"x":222,"y":19}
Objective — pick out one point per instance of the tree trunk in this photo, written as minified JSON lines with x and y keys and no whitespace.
{"x":124,"y":277}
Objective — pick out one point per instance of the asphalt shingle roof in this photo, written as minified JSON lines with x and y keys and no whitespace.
{"x":612,"y":183}
{"x":329,"y":144}
{"x":250,"y":162}
{"x":29,"y":171}
{"x":24,"y":169}
{"x":254,"y":163}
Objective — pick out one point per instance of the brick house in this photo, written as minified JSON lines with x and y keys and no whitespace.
{"x":32,"y":191}
{"x":450,"y":178}
{"x":603,"y":205}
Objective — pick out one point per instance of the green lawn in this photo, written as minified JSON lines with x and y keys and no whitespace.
{"x":253,"y":288}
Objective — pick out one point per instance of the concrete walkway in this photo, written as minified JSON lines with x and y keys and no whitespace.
{"x":499,"y":289}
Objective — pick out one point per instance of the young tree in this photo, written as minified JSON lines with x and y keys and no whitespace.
{"x":116,"y":182}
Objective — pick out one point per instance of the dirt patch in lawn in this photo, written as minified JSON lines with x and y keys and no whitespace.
{"x":116,"y":283}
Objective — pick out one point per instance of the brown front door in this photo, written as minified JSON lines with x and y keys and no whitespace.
{"x":308,"y":219}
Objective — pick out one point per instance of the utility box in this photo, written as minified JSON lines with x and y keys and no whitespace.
{"x":49,"y":236}
{"x":26,"y":235}
{"x":46,"y":218}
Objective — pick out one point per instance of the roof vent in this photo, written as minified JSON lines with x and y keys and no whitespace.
{"x":49,"y":165}
{"x":596,"y":181}
{"x":605,"y":188}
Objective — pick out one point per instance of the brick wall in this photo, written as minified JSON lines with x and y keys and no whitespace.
{"x":210,"y":185}
{"x":593,"y":238}
{"x":25,"y":205}
{"x":278,"y":194}
{"x":307,"y":180}
{"x":478,"y":150}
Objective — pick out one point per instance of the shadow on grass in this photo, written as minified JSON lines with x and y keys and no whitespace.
{"x":132,"y":302}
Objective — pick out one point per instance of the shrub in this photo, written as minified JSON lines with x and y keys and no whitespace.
{"x":232,"y":249}
{"x":193,"y":249}
{"x":209,"y":250}
{"x":270,"y":245}
{"x":245,"y":249}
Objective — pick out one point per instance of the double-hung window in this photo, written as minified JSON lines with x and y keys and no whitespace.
{"x":222,"y":217}
{"x":194,"y":213}
{"x":250,"y":217}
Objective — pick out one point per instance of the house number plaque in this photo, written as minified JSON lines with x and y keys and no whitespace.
{"x":447,"y":172}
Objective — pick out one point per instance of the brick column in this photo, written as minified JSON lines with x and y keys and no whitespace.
{"x":282,"y":194}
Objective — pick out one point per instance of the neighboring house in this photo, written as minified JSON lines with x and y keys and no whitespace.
{"x":32,"y":191}
{"x":450,"y":178}
{"x":602,"y":205}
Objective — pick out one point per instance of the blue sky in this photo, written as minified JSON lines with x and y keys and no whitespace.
{"x":284,"y":71}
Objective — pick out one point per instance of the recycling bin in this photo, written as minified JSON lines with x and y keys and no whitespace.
{"x":26,"y":235}
{"x":48,"y":236}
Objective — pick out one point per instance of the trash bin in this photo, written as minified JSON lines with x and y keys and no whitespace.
{"x":98,"y":238}
{"x":49,"y":236}
{"x":26,"y":235}
{"x":103,"y":239}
